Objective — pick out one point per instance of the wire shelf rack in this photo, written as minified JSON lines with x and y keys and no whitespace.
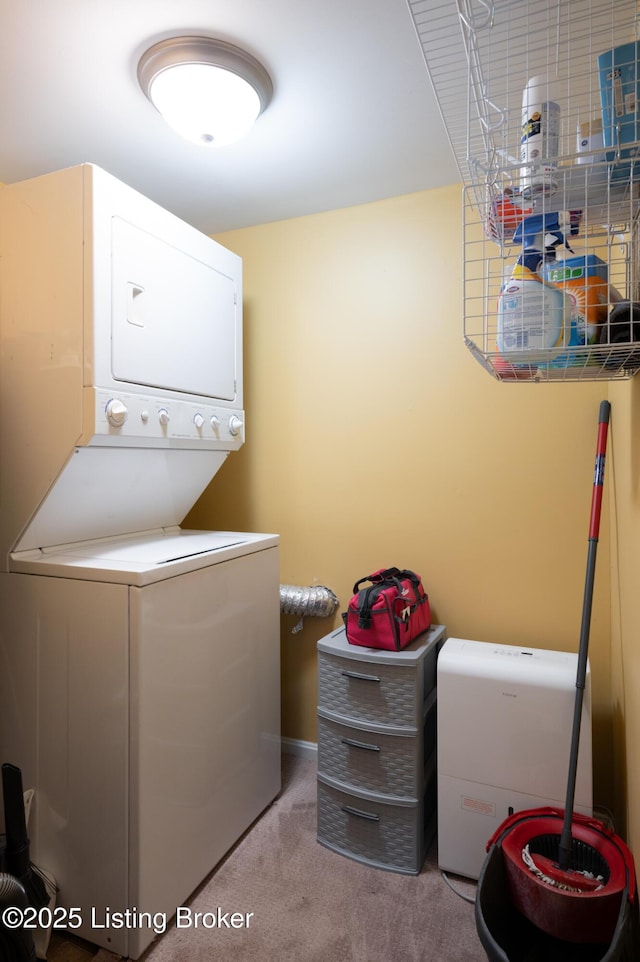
{"x":480,"y":56}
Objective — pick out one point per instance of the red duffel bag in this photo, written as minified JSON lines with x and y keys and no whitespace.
{"x":390,"y":613}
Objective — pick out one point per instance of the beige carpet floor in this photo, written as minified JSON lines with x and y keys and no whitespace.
{"x":309,"y":904}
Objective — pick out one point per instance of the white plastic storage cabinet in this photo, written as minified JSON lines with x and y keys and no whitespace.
{"x":377,"y":750}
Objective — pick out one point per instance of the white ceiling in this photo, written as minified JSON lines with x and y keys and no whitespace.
{"x":353,"y":117}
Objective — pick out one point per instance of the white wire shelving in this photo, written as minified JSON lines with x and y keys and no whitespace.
{"x":480,"y":55}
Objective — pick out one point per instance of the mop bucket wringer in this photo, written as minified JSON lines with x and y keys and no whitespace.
{"x":581,"y":904}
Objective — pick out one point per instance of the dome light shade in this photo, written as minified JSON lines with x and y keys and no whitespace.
{"x":209,"y":91}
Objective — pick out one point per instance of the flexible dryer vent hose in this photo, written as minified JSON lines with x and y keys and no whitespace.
{"x":316,"y":600}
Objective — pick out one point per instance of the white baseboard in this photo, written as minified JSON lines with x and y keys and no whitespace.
{"x":296,"y":746}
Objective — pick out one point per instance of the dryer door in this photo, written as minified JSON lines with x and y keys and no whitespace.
{"x":174,"y":317}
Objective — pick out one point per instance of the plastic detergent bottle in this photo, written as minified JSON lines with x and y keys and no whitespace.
{"x":534,"y":316}
{"x":586,"y":280}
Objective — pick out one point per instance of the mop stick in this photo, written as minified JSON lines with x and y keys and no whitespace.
{"x":566,"y":843}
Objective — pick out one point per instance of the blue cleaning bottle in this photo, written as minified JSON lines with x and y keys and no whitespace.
{"x":534,"y":316}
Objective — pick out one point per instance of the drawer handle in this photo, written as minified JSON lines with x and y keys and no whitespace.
{"x":370,"y":817}
{"x":354,"y":744}
{"x":357,"y":674}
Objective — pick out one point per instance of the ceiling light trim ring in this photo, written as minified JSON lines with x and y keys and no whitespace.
{"x":204,"y":50}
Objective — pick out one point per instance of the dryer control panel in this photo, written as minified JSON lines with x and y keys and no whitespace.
{"x":156,"y":421}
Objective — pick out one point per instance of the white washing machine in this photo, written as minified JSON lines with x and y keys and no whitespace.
{"x":139,"y":661}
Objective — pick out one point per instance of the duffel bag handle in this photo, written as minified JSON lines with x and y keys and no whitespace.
{"x":382,"y":574}
{"x":410,"y":576}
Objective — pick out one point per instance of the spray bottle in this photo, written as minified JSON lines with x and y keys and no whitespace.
{"x":534,"y":316}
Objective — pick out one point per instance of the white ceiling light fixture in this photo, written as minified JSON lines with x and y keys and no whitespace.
{"x":209,"y":91}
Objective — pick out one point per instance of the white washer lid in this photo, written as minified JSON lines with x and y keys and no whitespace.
{"x":154,"y":549}
{"x":140,"y":559}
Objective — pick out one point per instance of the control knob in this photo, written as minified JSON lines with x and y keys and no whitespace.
{"x":163,"y":416}
{"x":116,"y":412}
{"x":235,"y":425}
{"x":198,"y":420}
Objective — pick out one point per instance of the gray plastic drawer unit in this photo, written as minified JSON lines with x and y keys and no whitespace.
{"x":376,"y":750}
{"x":370,"y":759}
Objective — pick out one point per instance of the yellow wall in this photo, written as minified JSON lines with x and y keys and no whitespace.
{"x":374,"y":438}
{"x":624,"y":464}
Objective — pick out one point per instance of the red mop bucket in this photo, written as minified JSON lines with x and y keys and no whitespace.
{"x":581,"y":904}
{"x":505,"y":903}
{"x":567,"y":875}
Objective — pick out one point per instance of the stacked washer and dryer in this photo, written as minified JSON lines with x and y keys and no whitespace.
{"x":139,"y":662}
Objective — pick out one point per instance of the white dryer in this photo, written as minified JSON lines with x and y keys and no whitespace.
{"x":139,"y":662}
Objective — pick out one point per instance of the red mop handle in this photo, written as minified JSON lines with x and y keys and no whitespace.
{"x":565,"y":848}
{"x":598,"y":478}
